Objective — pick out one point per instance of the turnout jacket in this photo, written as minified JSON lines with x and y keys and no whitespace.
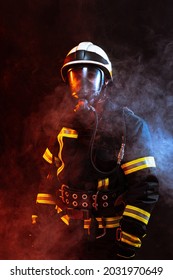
{"x":104,"y":170}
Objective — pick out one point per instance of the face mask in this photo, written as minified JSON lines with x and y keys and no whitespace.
{"x":85,"y":83}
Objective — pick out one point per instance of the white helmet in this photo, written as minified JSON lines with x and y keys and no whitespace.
{"x":87,"y":53}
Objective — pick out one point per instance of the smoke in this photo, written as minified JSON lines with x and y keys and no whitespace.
{"x":146,"y":88}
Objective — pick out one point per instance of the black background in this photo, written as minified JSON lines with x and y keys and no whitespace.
{"x":35,"y":36}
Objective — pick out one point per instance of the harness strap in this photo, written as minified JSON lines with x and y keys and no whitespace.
{"x":79,"y":205}
{"x":104,"y":222}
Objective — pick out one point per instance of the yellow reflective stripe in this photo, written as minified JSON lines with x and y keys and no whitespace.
{"x":64,"y":218}
{"x":137,"y":213}
{"x":48,"y":156}
{"x":34,"y":219}
{"x":130,"y":239}
{"x":103,"y":183}
{"x":138,"y":164}
{"x":111,"y":222}
{"x":68,"y":132}
{"x":60,"y":140}
{"x":65,"y":132}
{"x":45,"y":198}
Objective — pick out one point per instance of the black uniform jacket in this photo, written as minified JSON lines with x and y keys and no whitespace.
{"x":103,"y":164}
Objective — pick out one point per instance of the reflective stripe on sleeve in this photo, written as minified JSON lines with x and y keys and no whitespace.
{"x":138,"y":164}
{"x":45,"y":198}
{"x":48,"y":156}
{"x":130,"y":239}
{"x":137,"y":213}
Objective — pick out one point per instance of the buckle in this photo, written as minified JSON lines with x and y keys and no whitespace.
{"x":104,"y":229}
{"x":95,"y":204}
{"x":62,"y":191}
{"x":118,"y":234}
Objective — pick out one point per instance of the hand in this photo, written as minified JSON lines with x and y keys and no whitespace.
{"x":124,"y":252}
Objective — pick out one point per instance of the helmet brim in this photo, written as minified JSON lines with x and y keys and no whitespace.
{"x":67,"y":66}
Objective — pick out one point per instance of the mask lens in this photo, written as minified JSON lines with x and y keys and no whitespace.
{"x":85,"y":81}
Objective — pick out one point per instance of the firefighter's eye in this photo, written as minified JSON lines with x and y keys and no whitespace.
{"x":91,"y":77}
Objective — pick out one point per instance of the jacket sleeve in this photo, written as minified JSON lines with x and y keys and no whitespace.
{"x":139,"y":168}
{"x":45,"y":198}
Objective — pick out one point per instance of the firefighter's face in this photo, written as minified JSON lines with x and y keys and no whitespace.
{"x":85,"y":82}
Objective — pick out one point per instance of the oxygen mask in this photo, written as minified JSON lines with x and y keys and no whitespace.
{"x":85,"y":85}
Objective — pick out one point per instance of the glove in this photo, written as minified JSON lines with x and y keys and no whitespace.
{"x":129,"y":236}
{"x":124,"y":252}
{"x":124,"y":249}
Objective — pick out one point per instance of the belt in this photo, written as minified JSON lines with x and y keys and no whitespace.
{"x":79,"y":205}
{"x":87,"y":200}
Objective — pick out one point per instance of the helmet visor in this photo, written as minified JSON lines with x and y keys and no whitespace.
{"x":85,"y":82}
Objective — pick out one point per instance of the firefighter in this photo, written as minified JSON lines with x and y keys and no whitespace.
{"x":100,"y":170}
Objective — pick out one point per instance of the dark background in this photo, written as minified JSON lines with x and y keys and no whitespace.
{"x":35,"y":36}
